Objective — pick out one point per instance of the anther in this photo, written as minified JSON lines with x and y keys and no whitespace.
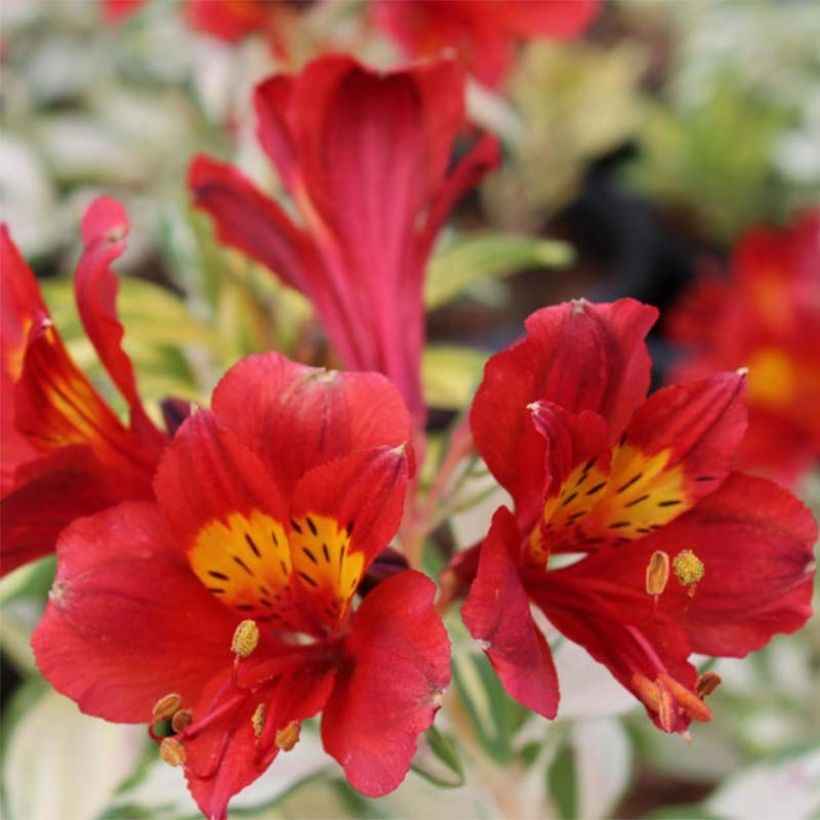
{"x":688,"y":568}
{"x":258,"y":720}
{"x":245,"y":639}
{"x":287,"y":738}
{"x":172,"y":752}
{"x":182,"y":720}
{"x":166,"y":706}
{"x":707,"y":683}
{"x":657,"y":573}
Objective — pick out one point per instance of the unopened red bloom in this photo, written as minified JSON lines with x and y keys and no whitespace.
{"x":764,"y":316}
{"x":65,"y":452}
{"x":483,"y":33}
{"x":226,"y":607}
{"x":673,"y":552}
{"x":365,"y":159}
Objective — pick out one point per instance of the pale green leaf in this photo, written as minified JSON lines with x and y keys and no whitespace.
{"x":450,"y":374}
{"x":489,"y":255}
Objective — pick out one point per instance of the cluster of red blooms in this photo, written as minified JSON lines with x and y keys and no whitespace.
{"x":210,"y":574}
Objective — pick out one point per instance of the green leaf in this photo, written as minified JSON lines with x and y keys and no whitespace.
{"x":490,"y":255}
{"x":449,"y":374}
{"x":438,"y":761}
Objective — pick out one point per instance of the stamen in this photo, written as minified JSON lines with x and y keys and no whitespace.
{"x":258,"y":720}
{"x":182,"y":720}
{"x":166,"y":706}
{"x":689,"y":569}
{"x":657,"y":573}
{"x":707,"y":683}
{"x":172,"y":752}
{"x":245,"y":639}
{"x":288,"y":737}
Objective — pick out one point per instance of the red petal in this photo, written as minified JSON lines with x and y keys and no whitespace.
{"x":559,"y":19}
{"x":127,"y":622}
{"x":346,"y":511}
{"x":756,"y":543}
{"x":387,"y":693}
{"x":297,"y":417}
{"x":497,"y":610}
{"x":50,"y":493}
{"x":104,"y":228}
{"x":272,"y":101}
{"x":247,"y":219}
{"x":579,"y":356}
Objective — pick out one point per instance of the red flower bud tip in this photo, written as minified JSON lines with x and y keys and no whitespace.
{"x":166,"y":706}
{"x":688,"y":569}
{"x":288,"y":737}
{"x":258,"y":720}
{"x":172,"y":752}
{"x":657,"y":573}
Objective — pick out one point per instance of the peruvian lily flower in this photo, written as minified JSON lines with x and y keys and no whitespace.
{"x":365,"y":158}
{"x":65,"y":452}
{"x":227,"y":605}
{"x":765,"y":315}
{"x":483,"y":34}
{"x":631,"y":533}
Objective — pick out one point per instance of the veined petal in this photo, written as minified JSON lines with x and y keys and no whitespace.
{"x":342,"y":515}
{"x":272,"y":101}
{"x":388,"y":690}
{"x":579,"y":356}
{"x":297,"y":417}
{"x":104,"y":228}
{"x":127,"y":622}
{"x":228,"y":518}
{"x":497,"y":611}
{"x":756,"y":541}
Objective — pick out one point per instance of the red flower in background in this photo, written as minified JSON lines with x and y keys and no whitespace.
{"x":365,"y":159}
{"x":226,"y":605}
{"x":65,"y":452}
{"x":766,"y":317}
{"x":676,"y":553}
{"x":483,"y":33}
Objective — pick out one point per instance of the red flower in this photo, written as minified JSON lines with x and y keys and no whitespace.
{"x":483,"y":34}
{"x":673,"y":552}
{"x":364,"y":157}
{"x":765,"y":317}
{"x":65,"y":452}
{"x":226,"y":605}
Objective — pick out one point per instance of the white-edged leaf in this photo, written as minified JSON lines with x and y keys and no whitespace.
{"x":603,"y":762}
{"x":785,"y":789}
{"x":63,"y":765}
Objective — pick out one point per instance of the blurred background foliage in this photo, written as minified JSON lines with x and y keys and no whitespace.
{"x":660,"y":136}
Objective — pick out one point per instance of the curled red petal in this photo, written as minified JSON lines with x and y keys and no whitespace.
{"x":389,"y":687}
{"x":127,"y":622}
{"x":104,"y":229}
{"x":497,"y":610}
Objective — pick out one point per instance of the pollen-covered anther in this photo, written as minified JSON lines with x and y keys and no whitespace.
{"x":288,"y":737}
{"x":258,"y":720}
{"x":657,"y":573}
{"x":707,"y":683}
{"x":688,"y":569}
{"x":245,"y":639}
{"x":166,"y":706}
{"x":181,"y":720}
{"x":172,"y":752}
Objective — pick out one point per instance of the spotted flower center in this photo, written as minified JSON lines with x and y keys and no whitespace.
{"x":266,"y":571}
